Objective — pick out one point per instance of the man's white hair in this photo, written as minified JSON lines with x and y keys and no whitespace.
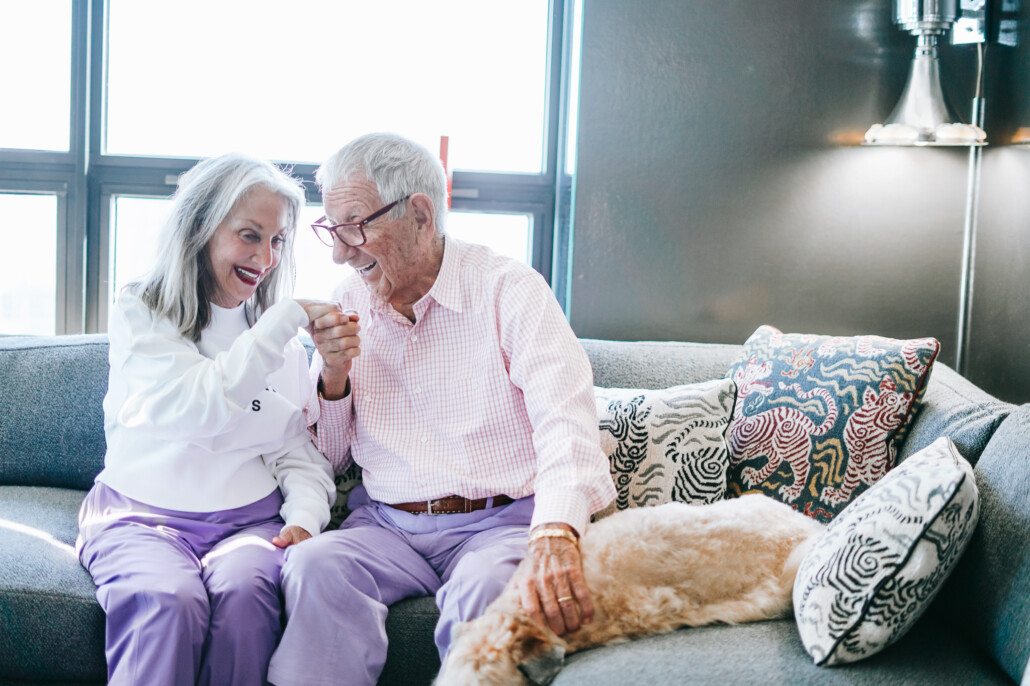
{"x":396,"y":165}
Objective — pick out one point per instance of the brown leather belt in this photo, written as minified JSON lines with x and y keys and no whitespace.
{"x":452,"y":504}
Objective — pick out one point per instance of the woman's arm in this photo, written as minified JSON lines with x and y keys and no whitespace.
{"x":170,"y":390}
{"x":306,"y":481}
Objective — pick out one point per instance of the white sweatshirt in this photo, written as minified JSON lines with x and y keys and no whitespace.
{"x":215,"y":425}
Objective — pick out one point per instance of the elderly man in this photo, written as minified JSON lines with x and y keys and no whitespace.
{"x":470,"y":411}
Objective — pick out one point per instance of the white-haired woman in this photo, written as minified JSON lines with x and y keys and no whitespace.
{"x":210,"y":472}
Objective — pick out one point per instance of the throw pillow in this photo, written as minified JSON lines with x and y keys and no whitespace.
{"x":818,"y":418}
{"x":666,"y":445}
{"x":877,"y":566}
{"x":346,"y":481}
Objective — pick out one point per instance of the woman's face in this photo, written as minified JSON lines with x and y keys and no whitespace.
{"x":247,"y":245}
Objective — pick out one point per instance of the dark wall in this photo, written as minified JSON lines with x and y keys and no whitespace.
{"x":716,"y":190}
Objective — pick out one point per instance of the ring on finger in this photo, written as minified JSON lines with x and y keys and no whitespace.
{"x":564,"y":599}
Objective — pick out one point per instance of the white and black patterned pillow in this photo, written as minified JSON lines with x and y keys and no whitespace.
{"x":666,"y":445}
{"x":880,"y":562}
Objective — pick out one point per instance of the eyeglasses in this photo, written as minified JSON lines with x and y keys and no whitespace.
{"x":350,"y":233}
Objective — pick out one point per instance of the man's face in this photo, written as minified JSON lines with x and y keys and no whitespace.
{"x":394,"y":260}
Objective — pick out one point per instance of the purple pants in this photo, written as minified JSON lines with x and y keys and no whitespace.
{"x":337,"y":586}
{"x":190,"y":597}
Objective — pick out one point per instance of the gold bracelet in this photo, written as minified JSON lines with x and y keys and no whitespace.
{"x":553,"y":533}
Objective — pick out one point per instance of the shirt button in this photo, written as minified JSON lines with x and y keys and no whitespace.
{"x":425,"y":438}
{"x":414,"y":338}
{"x":418,"y":389}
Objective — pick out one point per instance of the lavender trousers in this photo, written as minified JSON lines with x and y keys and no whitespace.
{"x":190,"y":597}
{"x":337,"y":586}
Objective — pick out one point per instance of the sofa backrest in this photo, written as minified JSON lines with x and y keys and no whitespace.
{"x":956,"y":408}
{"x":51,"y":409}
{"x":651,"y":364}
{"x":989,"y":593}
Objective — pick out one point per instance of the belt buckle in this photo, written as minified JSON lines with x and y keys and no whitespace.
{"x":429,"y":508}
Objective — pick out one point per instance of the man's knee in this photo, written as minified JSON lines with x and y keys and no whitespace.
{"x":478,"y":579}
{"x":326,"y":563}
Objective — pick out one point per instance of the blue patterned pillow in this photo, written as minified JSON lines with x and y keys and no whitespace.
{"x":666,"y":445}
{"x":819,"y":418}
{"x":871,"y":574}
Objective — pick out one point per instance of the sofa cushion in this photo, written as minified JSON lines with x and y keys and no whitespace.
{"x":881,"y":561}
{"x":988,"y":597}
{"x":51,"y":409}
{"x":819,"y":418}
{"x":770,"y":653}
{"x":666,"y":445}
{"x":53,"y":628}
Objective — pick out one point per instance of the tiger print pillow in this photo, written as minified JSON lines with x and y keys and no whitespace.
{"x":874,"y":570}
{"x":666,"y":445}
{"x":819,"y":419}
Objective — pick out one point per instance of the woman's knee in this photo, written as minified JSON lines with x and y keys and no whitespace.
{"x":175,"y":600}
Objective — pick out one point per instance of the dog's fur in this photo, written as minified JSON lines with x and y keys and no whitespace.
{"x":649,"y":570}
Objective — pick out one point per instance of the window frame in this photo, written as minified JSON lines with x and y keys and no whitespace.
{"x":85,"y":180}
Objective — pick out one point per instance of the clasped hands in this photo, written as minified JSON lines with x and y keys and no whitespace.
{"x":335,"y":334}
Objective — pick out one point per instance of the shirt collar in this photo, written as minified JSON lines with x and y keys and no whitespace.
{"x":446,"y":289}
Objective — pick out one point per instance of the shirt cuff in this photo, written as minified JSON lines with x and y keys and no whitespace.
{"x":305,"y":520}
{"x":567,"y":508}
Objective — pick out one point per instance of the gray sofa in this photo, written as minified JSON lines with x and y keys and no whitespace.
{"x":52,"y":631}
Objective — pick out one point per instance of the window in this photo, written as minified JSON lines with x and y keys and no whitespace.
{"x":117,"y":110}
{"x":35,"y":49}
{"x":28,"y":283}
{"x":294,"y":81}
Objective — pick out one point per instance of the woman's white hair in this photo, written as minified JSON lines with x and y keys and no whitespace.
{"x":396,"y":165}
{"x":181,"y":284}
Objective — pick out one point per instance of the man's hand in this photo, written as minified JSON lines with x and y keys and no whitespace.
{"x":291,"y":535}
{"x":335,"y":335}
{"x":554,"y":592}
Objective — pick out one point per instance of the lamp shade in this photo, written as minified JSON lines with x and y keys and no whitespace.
{"x":922,"y":115}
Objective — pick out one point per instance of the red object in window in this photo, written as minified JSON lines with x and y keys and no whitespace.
{"x":446,"y":169}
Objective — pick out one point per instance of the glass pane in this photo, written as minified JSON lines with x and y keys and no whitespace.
{"x":295,"y":81}
{"x":572,"y":122}
{"x":507,"y":234}
{"x":28,"y":283}
{"x":137,"y":222}
{"x":317,"y":274}
{"x":35,"y":49}
{"x":133,"y":245}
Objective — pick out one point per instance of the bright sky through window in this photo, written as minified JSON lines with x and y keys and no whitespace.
{"x":293,"y":81}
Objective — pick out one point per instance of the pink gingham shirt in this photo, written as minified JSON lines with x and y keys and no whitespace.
{"x":487,"y":393}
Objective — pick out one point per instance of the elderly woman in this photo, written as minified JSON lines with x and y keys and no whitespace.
{"x":210,"y":472}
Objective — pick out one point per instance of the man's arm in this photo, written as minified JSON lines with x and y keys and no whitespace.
{"x":573,"y":476}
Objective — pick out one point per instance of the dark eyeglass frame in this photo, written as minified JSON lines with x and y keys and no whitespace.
{"x":333,"y":230}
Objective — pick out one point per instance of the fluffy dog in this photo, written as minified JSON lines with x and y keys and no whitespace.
{"x":649,"y":570}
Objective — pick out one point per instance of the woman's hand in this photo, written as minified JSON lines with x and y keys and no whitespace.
{"x":554,"y":592}
{"x":291,"y":535}
{"x":317,"y":308}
